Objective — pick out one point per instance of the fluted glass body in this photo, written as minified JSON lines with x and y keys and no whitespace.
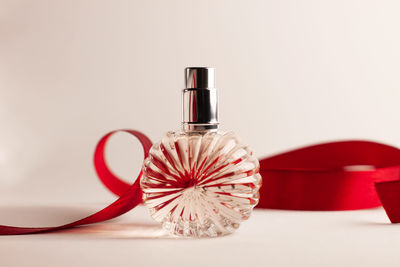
{"x":201,"y":183}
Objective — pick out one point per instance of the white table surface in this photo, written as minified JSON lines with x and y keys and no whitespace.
{"x":269,"y":238}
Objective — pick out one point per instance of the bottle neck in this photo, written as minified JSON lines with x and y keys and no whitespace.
{"x":199,"y":127}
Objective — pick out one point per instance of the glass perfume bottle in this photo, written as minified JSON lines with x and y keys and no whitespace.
{"x":200,"y":181}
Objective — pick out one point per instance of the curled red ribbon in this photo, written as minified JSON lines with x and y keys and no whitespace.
{"x":129,"y":195}
{"x":328,"y":177}
{"x":319,"y":177}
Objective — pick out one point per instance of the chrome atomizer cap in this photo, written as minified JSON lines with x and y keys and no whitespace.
{"x":200,"y":101}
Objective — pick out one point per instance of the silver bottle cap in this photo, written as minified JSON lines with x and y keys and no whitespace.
{"x":200,"y":108}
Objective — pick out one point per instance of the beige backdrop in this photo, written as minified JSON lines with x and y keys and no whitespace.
{"x":289,"y":73}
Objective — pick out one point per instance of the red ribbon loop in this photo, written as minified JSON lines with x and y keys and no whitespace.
{"x":328,"y":177}
{"x":319,"y":177}
{"x":130,"y":195}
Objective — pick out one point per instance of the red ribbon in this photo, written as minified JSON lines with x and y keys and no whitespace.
{"x":319,"y":177}
{"x":129,"y":195}
{"x":328,"y":177}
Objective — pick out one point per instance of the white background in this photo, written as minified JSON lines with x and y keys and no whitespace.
{"x":289,"y":73}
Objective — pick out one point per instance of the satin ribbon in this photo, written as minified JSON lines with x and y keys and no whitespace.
{"x":319,"y":177}
{"x":129,"y":195}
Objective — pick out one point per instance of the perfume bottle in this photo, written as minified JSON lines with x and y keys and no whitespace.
{"x":200,"y":181}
